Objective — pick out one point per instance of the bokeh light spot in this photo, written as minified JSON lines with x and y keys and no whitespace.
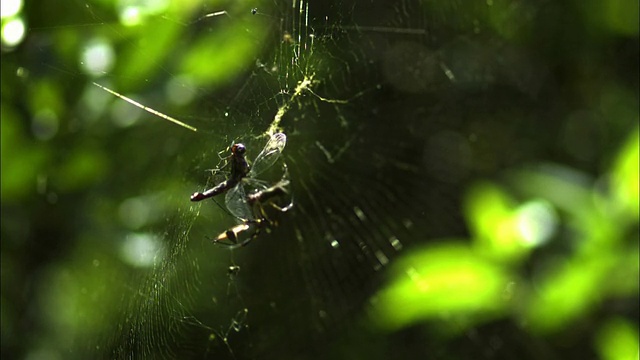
{"x":97,"y":58}
{"x":13,"y":32}
{"x":141,"y":250}
{"x":10,"y":8}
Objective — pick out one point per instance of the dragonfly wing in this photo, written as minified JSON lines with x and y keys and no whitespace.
{"x":254,"y":185}
{"x":269,"y":155}
{"x":236,"y":201}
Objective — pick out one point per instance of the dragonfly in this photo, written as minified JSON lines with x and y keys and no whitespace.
{"x":240,"y":169}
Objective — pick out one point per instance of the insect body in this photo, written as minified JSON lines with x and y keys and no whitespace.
{"x":249,"y":209}
{"x":239,"y":169}
{"x":231,"y":236}
{"x":236,"y":198}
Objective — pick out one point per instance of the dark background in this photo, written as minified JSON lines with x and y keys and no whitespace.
{"x":464,"y":178}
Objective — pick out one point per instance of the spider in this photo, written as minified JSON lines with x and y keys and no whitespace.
{"x":257,"y":220}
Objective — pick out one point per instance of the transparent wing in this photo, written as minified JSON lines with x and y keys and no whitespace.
{"x":269,"y":155}
{"x":236,"y":201}
{"x":254,"y":185}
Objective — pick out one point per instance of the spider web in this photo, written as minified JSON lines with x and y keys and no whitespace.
{"x":355,"y":206}
{"x":333,"y":76}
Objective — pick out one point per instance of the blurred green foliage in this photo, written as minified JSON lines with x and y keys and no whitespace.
{"x":97,"y":233}
{"x":485,"y":280}
{"x":618,"y":339}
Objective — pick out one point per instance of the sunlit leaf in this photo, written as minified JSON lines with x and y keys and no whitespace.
{"x":436,"y":282}
{"x":618,"y":340}
{"x":492,"y":216}
{"x":624,"y":176}
{"x":568,"y":291}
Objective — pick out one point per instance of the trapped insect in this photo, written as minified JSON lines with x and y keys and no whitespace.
{"x":249,"y":209}
{"x":241,"y":169}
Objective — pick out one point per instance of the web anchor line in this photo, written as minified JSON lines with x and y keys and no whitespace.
{"x":146,"y":108}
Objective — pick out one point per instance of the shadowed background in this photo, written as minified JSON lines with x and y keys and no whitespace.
{"x":464,"y":178}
